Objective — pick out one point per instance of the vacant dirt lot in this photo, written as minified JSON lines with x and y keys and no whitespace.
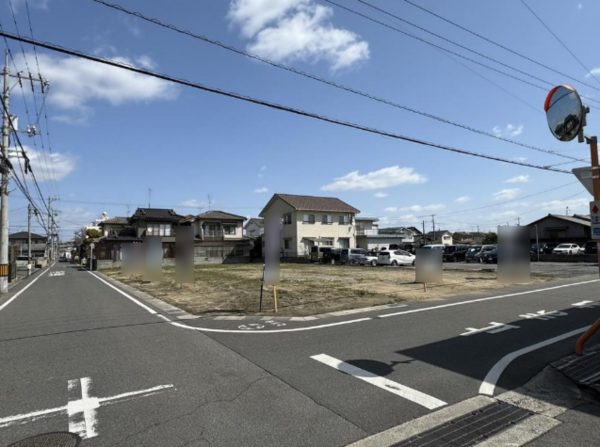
{"x":305,"y":289}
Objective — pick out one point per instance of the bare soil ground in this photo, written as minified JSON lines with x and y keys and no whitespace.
{"x":306,"y":289}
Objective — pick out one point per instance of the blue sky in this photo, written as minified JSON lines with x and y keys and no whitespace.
{"x":115,"y":134}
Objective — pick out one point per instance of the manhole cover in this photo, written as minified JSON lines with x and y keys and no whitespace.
{"x":56,"y":439}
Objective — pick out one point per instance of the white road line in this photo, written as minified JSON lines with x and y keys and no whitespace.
{"x":163,"y":317}
{"x":425,"y":400}
{"x":29,"y":417}
{"x":491,"y":379}
{"x":270,"y":331}
{"x":82,"y":410}
{"x":141,"y":393}
{"x":23,"y":289}
{"x":152,"y":311}
{"x":479,"y":300}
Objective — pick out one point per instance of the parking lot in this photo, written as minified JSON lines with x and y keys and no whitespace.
{"x":558,"y":269}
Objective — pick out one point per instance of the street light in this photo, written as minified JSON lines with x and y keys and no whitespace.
{"x":537,"y":244}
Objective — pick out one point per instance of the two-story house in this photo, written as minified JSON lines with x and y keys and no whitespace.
{"x":439,"y":237}
{"x":370,"y":237}
{"x":255,"y":227}
{"x":20,"y":241}
{"x":218,"y":234}
{"x":115,"y":232}
{"x":157,"y":222}
{"x":309,"y":221}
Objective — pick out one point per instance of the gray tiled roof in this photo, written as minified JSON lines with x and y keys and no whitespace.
{"x":156,"y":214}
{"x":258,"y":221}
{"x":219,"y":215}
{"x":24,"y":235}
{"x":116,"y":221}
{"x":313,"y":203}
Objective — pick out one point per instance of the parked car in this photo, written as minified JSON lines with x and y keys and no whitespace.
{"x":371,"y":258}
{"x":543,"y":247}
{"x":472,"y":253}
{"x":22,"y":261}
{"x":317,"y":253}
{"x":62,"y":259}
{"x":430,"y":246}
{"x":331,"y":256}
{"x":566,"y":249}
{"x":490,"y":256}
{"x":353,"y":256}
{"x":591,"y":248}
{"x":454,"y":253}
{"x":394,"y":258}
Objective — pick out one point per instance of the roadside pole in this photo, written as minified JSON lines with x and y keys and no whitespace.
{"x":537,"y":243}
{"x":4,"y":185}
{"x":28,"y":239}
{"x":593,"y":142}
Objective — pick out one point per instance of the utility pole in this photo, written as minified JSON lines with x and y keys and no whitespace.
{"x":518,"y":219}
{"x":423,"y":238}
{"x":433,"y":223}
{"x":51,"y":224}
{"x":29,"y":240}
{"x":149,"y":197}
{"x":6,"y":124}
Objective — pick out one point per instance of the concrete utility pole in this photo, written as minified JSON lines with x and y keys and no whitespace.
{"x":29,"y":240}
{"x":51,"y":224}
{"x":433,"y":223}
{"x":4,"y":185}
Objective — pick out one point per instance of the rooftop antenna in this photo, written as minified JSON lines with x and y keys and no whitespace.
{"x":149,"y":197}
{"x":209,"y":196}
{"x":568,"y":211}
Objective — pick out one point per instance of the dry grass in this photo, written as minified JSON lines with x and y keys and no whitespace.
{"x":306,"y":289}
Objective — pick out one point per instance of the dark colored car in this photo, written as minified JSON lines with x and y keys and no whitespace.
{"x":331,"y":256}
{"x":62,"y":259}
{"x":491,"y":257}
{"x":353,"y":256}
{"x":544,"y":248}
{"x":454,"y":253}
{"x":472,"y":254}
{"x":591,"y":248}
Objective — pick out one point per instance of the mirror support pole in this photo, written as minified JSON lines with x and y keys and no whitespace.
{"x":593,"y":142}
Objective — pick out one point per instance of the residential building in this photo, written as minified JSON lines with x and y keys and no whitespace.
{"x":254,"y":227}
{"x":20,"y":241}
{"x":219,"y":236}
{"x":115,"y":232}
{"x":463,"y":237}
{"x":437,"y":237}
{"x":309,"y":221}
{"x":415,"y":231}
{"x":370,"y":237}
{"x":157,"y":222}
{"x":558,"y":229}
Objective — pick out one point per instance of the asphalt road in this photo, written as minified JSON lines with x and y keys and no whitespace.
{"x":78,"y":355}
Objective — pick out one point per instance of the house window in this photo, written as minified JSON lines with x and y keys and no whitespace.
{"x":326,"y":219}
{"x":344,"y":219}
{"x":308,"y":219}
{"x":287,"y":244}
{"x":229,"y":229}
{"x":287,"y":219}
{"x":159,"y":230}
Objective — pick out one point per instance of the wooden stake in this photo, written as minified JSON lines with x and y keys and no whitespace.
{"x":424,"y":287}
{"x":275,"y":297}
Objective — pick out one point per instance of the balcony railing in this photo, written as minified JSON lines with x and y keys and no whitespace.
{"x":367,"y":232}
{"x":212,"y":235}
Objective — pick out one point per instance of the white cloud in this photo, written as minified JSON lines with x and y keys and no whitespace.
{"x":380,"y":195}
{"x":419,"y":208}
{"x":510,"y":131}
{"x":518,"y":205}
{"x":77,"y":83}
{"x":384,"y":178}
{"x":518,"y":179}
{"x":287,"y":30}
{"x":580,"y":206}
{"x":391,"y":209}
{"x":261,"y":174}
{"x":506,"y":194}
{"x":261,"y":190}
{"x":48,"y":166}
{"x":463,"y":199}
{"x":593,"y":71}
{"x":406,"y":217}
{"x":37,"y":4}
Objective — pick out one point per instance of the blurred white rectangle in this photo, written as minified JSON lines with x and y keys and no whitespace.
{"x":272,"y":237}
{"x":428,"y":265}
{"x":513,"y":254}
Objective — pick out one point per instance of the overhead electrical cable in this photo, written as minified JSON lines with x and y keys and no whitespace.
{"x":272,"y":105}
{"x":326,"y":81}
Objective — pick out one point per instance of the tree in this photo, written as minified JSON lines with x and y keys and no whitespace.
{"x":490,"y":238}
{"x":93,"y":234}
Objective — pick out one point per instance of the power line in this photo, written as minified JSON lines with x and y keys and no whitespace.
{"x":322,"y":80}
{"x":412,"y":36}
{"x":560,"y":41}
{"x":516,"y":53}
{"x":272,"y":105}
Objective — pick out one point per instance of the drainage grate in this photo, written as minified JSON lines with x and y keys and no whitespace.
{"x":584,"y":370}
{"x":56,"y":439}
{"x":471,"y":428}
